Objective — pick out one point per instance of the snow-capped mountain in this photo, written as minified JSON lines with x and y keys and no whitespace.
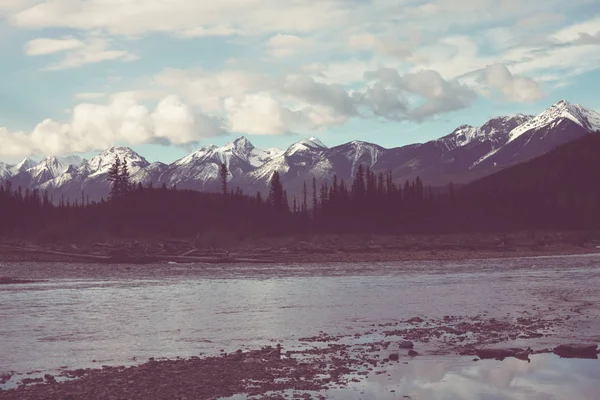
{"x":4,"y":171}
{"x":557,"y":125}
{"x":52,"y":167}
{"x":23,"y":166}
{"x":295,"y":162}
{"x":467,"y":153}
{"x":203,"y":166}
{"x":563,"y":110}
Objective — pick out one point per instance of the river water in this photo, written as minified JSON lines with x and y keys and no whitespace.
{"x":88,"y":317}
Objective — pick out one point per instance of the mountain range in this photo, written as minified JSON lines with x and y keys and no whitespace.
{"x":466,"y":154}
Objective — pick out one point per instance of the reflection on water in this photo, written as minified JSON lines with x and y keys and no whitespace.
{"x":126,"y":320}
{"x":547,"y":377}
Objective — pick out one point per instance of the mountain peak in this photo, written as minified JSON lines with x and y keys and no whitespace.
{"x":118,"y":149}
{"x":24,"y":165}
{"x":317,"y":142}
{"x":563,"y":110}
{"x":240,"y":143}
{"x":304,"y":145}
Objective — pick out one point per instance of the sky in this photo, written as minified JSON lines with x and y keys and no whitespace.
{"x":168,"y":77}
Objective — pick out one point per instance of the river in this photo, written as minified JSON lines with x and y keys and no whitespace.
{"x":88,"y":316}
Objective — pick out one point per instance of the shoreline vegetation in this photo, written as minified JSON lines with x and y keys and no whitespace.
{"x":305,"y":248}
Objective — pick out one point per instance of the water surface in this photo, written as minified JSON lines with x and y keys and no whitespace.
{"x":140,"y":312}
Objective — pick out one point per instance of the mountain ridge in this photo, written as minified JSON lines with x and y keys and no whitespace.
{"x":465,"y":154}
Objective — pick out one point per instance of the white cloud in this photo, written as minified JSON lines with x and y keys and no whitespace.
{"x":307,"y":90}
{"x":281,"y":46}
{"x":261,"y":114}
{"x":539,"y":20}
{"x":208,"y":32}
{"x":390,"y":94}
{"x":94,"y":50}
{"x":182,"y":17}
{"x":514,"y":88}
{"x":367,"y":41}
{"x":38,"y":47}
{"x":208,"y":90}
{"x":122,"y":120}
{"x":8,"y":6}
{"x":589,"y":28}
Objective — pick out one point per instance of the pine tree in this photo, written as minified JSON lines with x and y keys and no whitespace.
{"x":276,"y":194}
{"x":125,"y":179}
{"x":304,"y":200}
{"x":315,"y":199}
{"x":358,"y":186}
{"x":114,"y":176}
{"x":224,"y":173}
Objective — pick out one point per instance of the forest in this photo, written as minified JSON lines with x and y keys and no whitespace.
{"x":557,"y":191}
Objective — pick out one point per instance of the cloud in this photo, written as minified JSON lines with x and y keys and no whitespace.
{"x":261,"y":114}
{"x":306,"y":89}
{"x":182,"y":17}
{"x":8,"y":6}
{"x":209,"y":32}
{"x":281,"y":46}
{"x":94,"y":50}
{"x":539,"y":20}
{"x":209,"y":89}
{"x":514,"y":88}
{"x":122,"y":120}
{"x":390,"y":94}
{"x":38,"y":47}
{"x":271,"y":105}
{"x":578,"y":32}
{"x":367,"y":41}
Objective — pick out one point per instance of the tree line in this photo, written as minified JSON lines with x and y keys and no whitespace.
{"x":556,"y":191}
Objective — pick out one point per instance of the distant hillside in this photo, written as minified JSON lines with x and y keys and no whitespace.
{"x":560,"y":189}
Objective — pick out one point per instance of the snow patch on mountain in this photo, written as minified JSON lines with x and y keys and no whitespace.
{"x":52,"y":167}
{"x":317,"y":142}
{"x":305,"y":145}
{"x":360,"y":152}
{"x":23,"y":166}
{"x":4,"y":171}
{"x":100,"y":164}
{"x":265,"y":172}
{"x":485,"y":157}
{"x":587,"y":119}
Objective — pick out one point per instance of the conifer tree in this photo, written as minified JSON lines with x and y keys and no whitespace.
{"x":125,"y":178}
{"x":114,"y":177}
{"x":315,"y":199}
{"x":304,"y":200}
{"x":224,"y":173}
{"x":276,"y":194}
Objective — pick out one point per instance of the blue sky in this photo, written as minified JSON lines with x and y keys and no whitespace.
{"x":169,"y":77}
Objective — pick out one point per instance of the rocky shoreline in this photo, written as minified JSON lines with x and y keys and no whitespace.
{"x":309,"y":370}
{"x":306,"y":249}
